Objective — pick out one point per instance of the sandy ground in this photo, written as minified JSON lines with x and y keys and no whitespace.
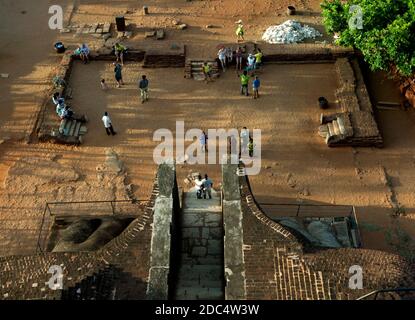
{"x":297,"y":166}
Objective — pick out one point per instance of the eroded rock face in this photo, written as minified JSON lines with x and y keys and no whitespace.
{"x":112,"y":164}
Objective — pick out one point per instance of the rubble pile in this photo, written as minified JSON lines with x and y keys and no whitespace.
{"x":290,"y":31}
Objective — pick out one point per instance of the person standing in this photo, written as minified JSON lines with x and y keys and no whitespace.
{"x":251,"y":147}
{"x":244,"y":140}
{"x":258,"y":58}
{"x":108,"y":124}
{"x":229,"y":56}
{"x":255,"y":86}
{"x":222,"y":58}
{"x":251,"y":63}
{"x":119,"y":50}
{"x":238,"y":57}
{"x":244,"y":83}
{"x":199,"y":186}
{"x":203,"y":141}
{"x":240,"y":31}
{"x":143,"y":85}
{"x":118,"y":74}
{"x":207,"y":187}
{"x":84,"y":53}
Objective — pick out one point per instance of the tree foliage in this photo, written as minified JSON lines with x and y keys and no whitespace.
{"x":388,"y":33}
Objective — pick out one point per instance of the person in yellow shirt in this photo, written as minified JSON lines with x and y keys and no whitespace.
{"x":258,"y":59}
{"x":240,"y":32}
{"x":207,"y":72}
{"x":244,"y":83}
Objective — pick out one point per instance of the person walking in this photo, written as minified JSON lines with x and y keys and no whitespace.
{"x":255,"y":86}
{"x":118,"y":74}
{"x":222,"y":58}
{"x":207,"y":187}
{"x":108,"y":124}
{"x":244,"y":83}
{"x":143,"y":85}
{"x":207,"y":72}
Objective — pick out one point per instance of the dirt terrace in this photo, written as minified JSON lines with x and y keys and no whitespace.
{"x":297,"y":166}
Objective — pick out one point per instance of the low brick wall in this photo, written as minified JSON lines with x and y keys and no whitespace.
{"x":126,"y":257}
{"x":356,"y":108}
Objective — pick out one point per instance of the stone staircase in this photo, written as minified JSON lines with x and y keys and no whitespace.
{"x":201,"y":270}
{"x":194,"y":69}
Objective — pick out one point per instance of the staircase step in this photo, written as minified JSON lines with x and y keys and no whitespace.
{"x":331,"y":129}
{"x":198,"y":272}
{"x":207,"y":260}
{"x":203,"y":283}
{"x":71,"y":133}
{"x":77,"y":129}
{"x":201,"y":219}
{"x":67,"y":128}
{"x":191,"y":293}
{"x":336,"y":127}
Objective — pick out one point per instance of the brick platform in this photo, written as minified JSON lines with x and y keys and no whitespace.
{"x":356,"y":125}
{"x":278,"y":267}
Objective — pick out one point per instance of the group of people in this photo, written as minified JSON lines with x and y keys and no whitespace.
{"x":203,"y":187}
{"x":62,"y":109}
{"x":246,"y":142}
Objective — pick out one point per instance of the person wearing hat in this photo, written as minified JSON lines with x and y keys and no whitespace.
{"x":240,"y":31}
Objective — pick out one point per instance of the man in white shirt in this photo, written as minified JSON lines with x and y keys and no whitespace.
{"x":108,"y":124}
{"x":199,"y":186}
{"x":244,"y":140}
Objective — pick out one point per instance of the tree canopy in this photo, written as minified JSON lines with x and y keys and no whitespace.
{"x":386,"y":35}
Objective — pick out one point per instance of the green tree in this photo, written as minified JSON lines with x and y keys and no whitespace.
{"x":388,"y":34}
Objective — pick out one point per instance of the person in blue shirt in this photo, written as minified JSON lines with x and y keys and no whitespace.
{"x":143,"y":86}
{"x":256,"y":84}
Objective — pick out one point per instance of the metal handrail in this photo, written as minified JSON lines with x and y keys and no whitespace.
{"x":376,"y":292}
{"x":51,"y":214}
